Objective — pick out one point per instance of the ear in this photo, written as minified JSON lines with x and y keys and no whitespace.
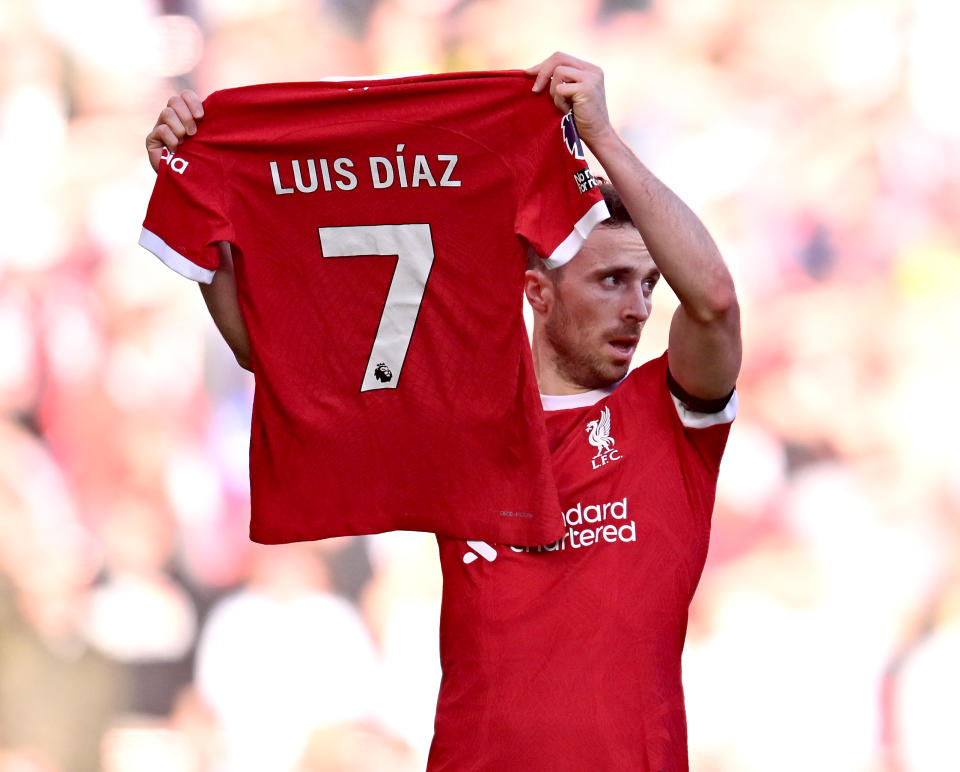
{"x":539,"y":290}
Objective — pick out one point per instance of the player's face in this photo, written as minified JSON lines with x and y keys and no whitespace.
{"x":602,"y":299}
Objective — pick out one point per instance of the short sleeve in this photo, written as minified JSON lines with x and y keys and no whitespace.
{"x":559,"y":203}
{"x":186,"y":215}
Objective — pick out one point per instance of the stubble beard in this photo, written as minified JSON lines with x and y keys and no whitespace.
{"x":575,"y":360}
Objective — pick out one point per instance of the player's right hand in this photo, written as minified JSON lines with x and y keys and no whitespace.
{"x":578,"y":85}
{"x":177,"y":121}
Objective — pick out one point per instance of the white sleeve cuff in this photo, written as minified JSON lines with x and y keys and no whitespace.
{"x":572,"y":243}
{"x":173,"y":259}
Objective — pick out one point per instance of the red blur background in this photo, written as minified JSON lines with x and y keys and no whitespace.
{"x":140,"y":630}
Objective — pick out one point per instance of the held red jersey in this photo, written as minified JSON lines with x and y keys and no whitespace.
{"x":380,"y":231}
{"x":567,"y":656}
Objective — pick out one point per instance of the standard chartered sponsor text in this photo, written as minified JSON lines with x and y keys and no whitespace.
{"x":592,"y":524}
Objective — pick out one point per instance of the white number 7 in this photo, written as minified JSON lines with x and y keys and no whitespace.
{"x":413,"y":246}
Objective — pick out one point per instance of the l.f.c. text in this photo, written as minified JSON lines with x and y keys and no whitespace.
{"x":309,"y":175}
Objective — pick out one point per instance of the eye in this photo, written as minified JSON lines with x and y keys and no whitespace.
{"x":649,"y":284}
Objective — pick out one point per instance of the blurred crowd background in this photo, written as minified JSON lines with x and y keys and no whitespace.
{"x":141,"y":631}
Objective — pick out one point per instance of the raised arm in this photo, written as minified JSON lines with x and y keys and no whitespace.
{"x":177,"y":121}
{"x":705,"y":347}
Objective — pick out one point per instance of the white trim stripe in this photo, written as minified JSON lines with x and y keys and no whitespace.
{"x":173,"y":259}
{"x":693,"y":420}
{"x":564,"y":253}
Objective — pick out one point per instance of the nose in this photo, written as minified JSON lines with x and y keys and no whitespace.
{"x":636,"y":306}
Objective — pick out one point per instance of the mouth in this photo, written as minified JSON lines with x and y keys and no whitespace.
{"x":624,"y":347}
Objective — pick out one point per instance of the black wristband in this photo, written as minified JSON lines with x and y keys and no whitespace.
{"x":696,"y":404}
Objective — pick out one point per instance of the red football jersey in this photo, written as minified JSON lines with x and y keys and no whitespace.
{"x":567,"y":656}
{"x":380,"y":231}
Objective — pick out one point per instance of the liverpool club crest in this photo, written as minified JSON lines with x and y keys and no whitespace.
{"x":598,"y":434}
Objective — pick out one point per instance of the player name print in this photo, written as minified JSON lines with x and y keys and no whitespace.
{"x":592,"y":524}
{"x":598,"y":435}
{"x":309,"y":175}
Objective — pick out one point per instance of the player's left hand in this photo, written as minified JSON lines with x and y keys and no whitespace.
{"x":576,"y":84}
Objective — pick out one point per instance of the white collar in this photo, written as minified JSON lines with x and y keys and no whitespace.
{"x":583,"y":399}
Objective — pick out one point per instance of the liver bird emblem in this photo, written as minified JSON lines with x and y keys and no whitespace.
{"x":599,"y":433}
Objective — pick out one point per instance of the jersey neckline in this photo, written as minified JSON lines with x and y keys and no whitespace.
{"x":584,"y":399}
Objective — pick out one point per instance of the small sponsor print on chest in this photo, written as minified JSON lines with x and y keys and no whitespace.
{"x":598,"y":435}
